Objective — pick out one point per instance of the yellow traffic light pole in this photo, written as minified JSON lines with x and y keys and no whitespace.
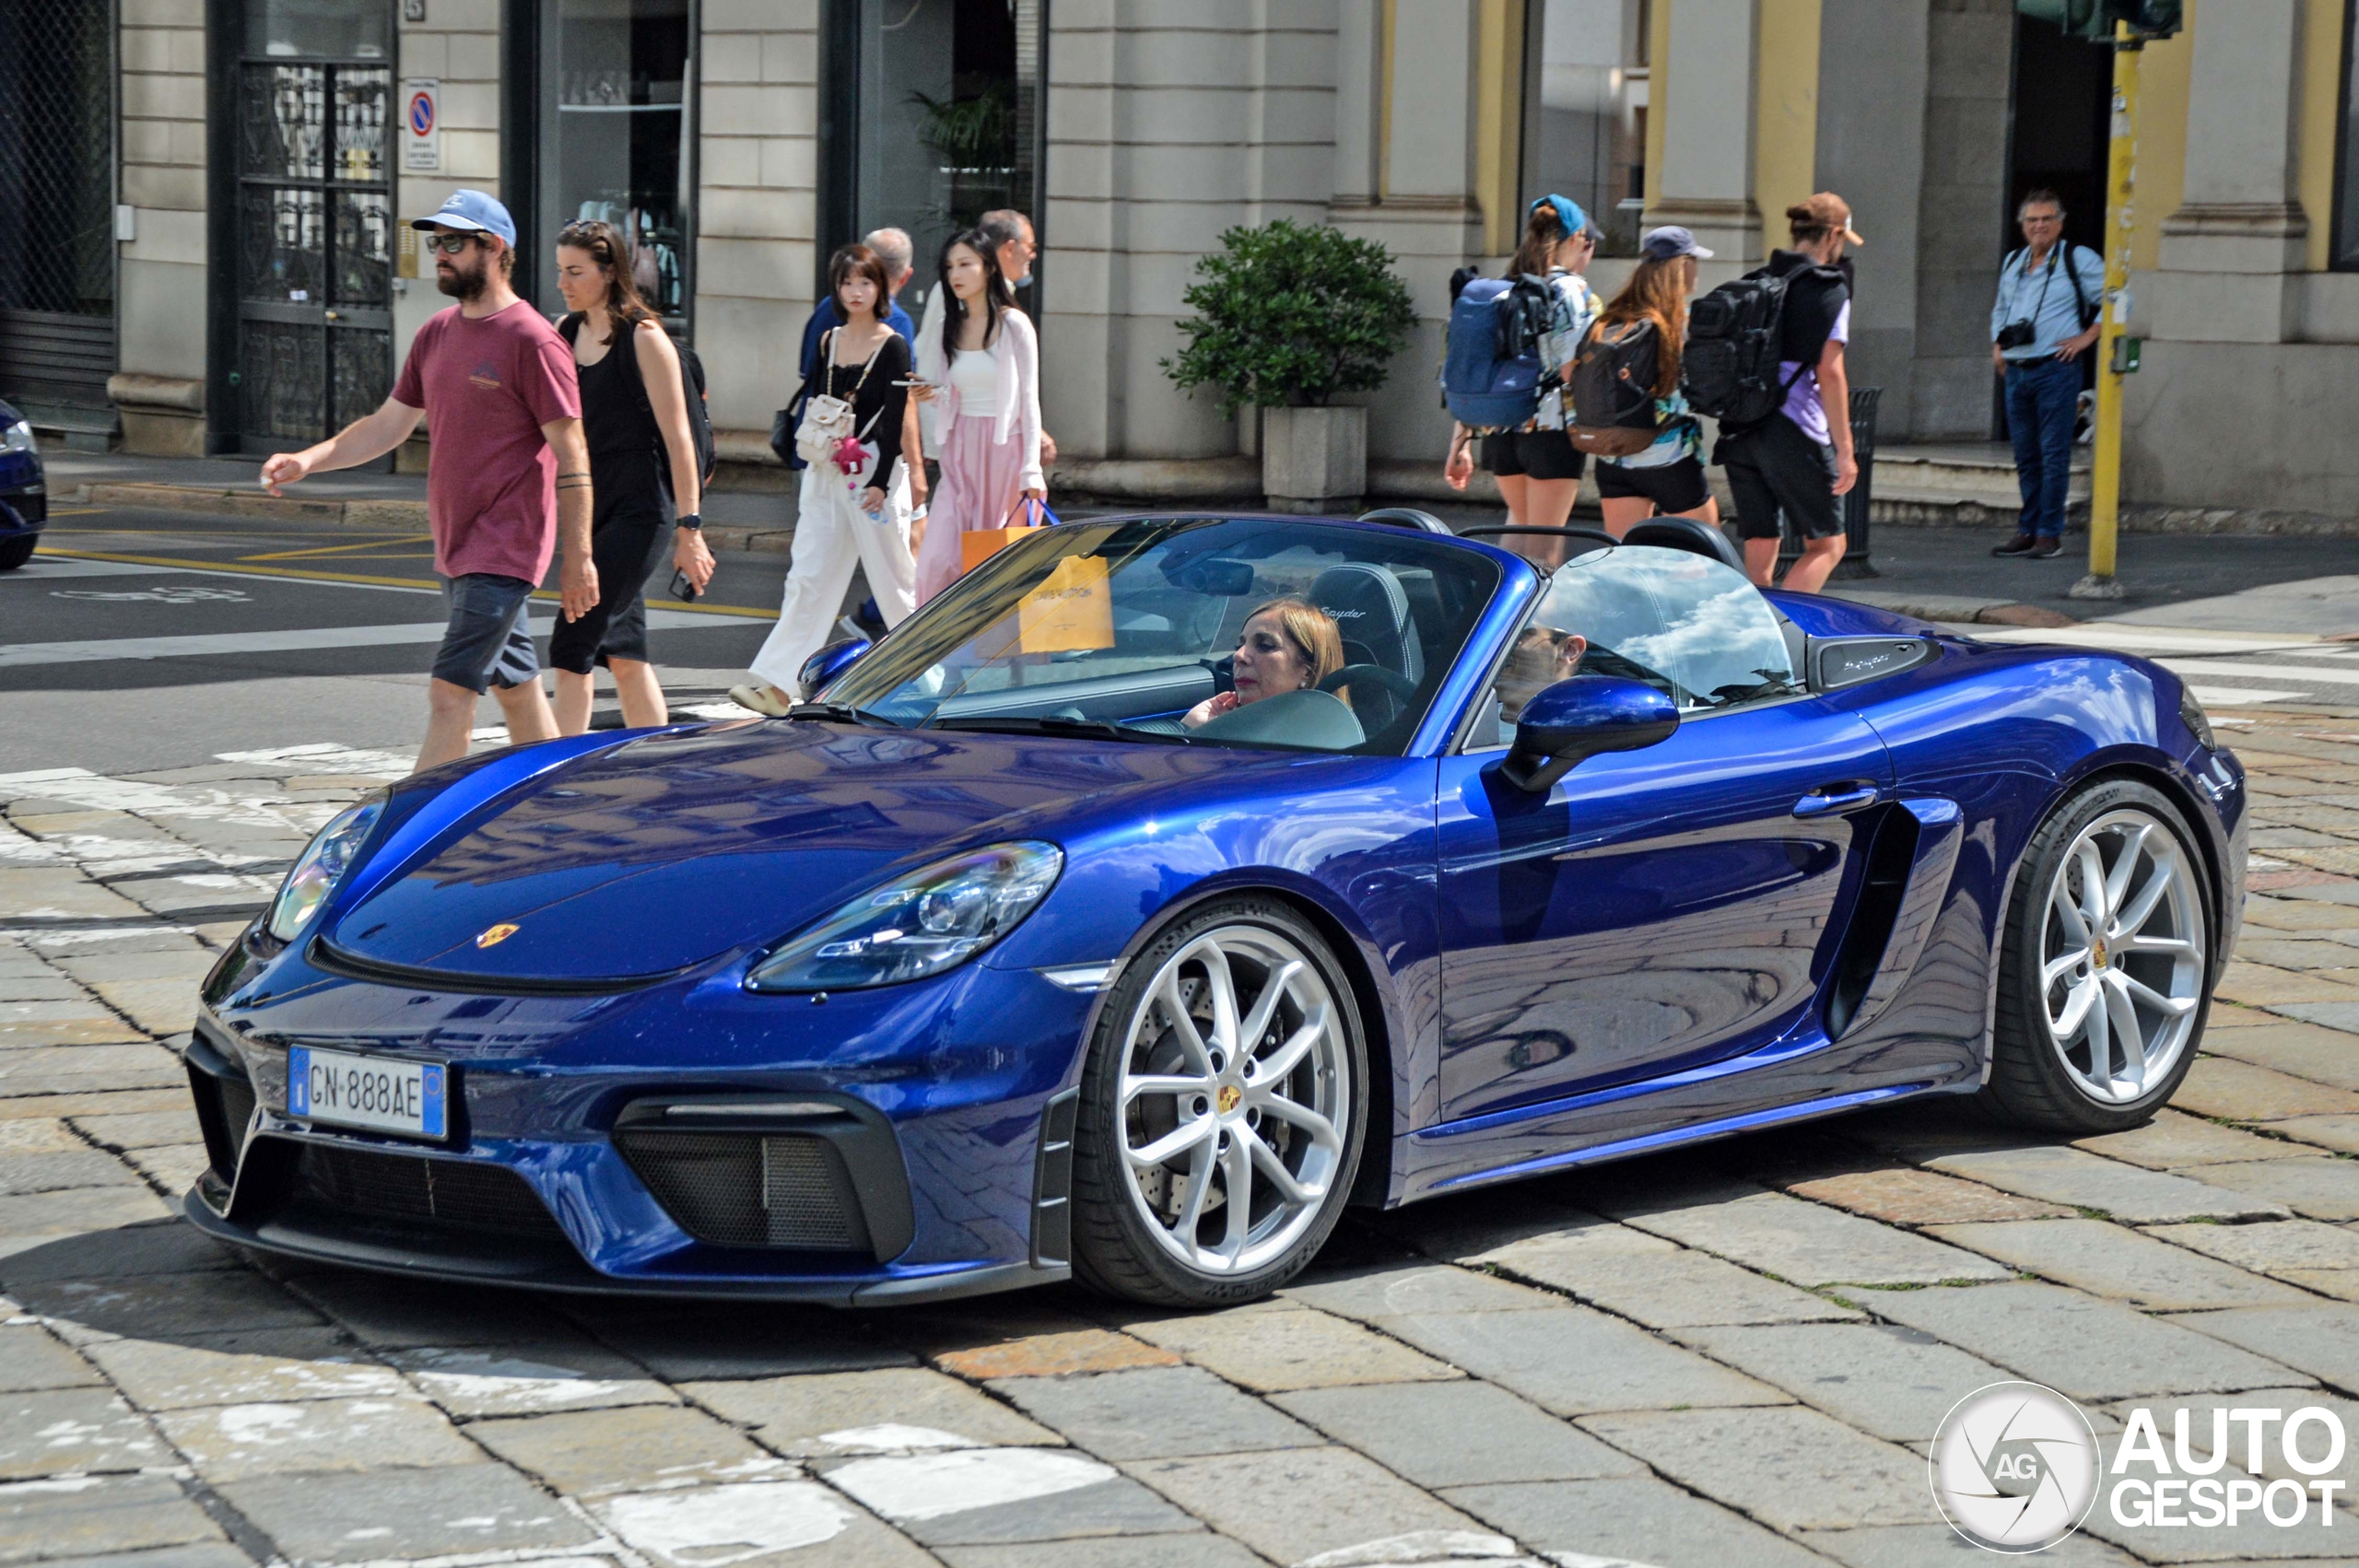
{"x":2105,"y":480}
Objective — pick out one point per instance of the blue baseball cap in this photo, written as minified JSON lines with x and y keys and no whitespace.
{"x":471,"y":211}
{"x":1662,"y":244}
{"x":1569,"y":216}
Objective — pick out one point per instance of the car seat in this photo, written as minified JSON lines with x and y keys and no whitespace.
{"x":1692,"y":534}
{"x":1371,"y":610}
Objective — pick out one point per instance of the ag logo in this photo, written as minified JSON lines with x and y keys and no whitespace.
{"x":492,"y":936}
{"x":2014,"y":1466}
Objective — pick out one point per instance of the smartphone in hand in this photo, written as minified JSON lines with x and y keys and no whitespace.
{"x":683,"y":589}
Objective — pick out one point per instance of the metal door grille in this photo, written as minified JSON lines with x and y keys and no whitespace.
{"x":316,"y":232}
{"x":58,"y":340}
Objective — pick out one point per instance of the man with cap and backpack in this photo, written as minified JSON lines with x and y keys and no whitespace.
{"x":1765,"y":357}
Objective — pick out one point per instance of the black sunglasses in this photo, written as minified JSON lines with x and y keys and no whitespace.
{"x":451,"y":244}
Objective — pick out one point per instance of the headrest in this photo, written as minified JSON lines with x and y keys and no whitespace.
{"x":1691,"y":534}
{"x":1372,"y":611}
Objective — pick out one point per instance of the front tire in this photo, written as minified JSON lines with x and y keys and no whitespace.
{"x":1223,"y":1110}
{"x":2105,"y":976}
{"x":14,"y":553}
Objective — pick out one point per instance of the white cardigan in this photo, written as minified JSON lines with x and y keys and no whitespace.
{"x":1017,"y":351}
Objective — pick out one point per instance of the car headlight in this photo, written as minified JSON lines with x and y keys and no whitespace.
{"x":2192,"y":714}
{"x":934,"y":919}
{"x":319,"y":867}
{"x":17,"y":437}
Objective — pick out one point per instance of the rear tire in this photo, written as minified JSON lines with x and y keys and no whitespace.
{"x":2105,"y":965}
{"x":1224,"y":1104}
{"x":14,"y":553}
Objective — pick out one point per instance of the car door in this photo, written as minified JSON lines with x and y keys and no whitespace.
{"x":1655,"y":908}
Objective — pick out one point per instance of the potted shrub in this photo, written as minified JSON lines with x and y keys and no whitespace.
{"x":1287,"y":316}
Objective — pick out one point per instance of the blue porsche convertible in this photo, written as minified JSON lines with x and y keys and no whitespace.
{"x":1173,"y":882}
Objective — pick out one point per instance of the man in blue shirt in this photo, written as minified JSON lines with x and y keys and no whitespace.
{"x":2051,"y":297}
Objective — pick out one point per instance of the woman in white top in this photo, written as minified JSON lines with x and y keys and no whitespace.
{"x":983,"y":375}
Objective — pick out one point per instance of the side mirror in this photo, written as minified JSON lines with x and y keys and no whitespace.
{"x":829,"y":662}
{"x":1565,"y":724}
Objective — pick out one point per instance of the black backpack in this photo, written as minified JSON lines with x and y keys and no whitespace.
{"x":692,"y":378}
{"x":1729,"y":369}
{"x":1613,"y":389}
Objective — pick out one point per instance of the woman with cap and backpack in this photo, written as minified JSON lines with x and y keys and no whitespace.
{"x":1537,"y":467}
{"x":1628,"y":412}
{"x":643,"y":460}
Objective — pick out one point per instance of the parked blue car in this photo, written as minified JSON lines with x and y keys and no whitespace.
{"x":24,"y":491}
{"x":1087,"y":925}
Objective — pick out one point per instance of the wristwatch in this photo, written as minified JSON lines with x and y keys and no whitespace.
{"x":688,"y":520}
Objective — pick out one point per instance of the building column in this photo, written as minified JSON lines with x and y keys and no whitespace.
{"x":2233,"y":252}
{"x":1708,"y":109}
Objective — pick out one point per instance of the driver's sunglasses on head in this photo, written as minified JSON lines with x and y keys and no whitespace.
{"x":449,"y":244}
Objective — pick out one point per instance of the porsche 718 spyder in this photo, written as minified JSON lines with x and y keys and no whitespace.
{"x":1038,"y":946}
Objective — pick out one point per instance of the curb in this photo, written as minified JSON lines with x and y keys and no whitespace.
{"x":369,"y":513}
{"x":1957,"y":609}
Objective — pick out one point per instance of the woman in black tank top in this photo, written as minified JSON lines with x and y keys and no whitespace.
{"x":635,"y":422}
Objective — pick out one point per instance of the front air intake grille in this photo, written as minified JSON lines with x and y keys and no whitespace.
{"x":409,"y":1188}
{"x":224,"y":1102}
{"x":750,"y":1189}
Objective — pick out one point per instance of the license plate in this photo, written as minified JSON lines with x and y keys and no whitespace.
{"x":382,"y":1093}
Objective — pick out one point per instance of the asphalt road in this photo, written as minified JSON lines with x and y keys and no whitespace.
{"x":142,"y":639}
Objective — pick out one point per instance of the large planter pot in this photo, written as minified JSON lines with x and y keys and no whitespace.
{"x":1313,"y":454}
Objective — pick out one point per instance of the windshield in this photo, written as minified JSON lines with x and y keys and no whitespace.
{"x":1254,"y":632}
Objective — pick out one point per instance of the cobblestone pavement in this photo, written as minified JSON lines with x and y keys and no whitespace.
{"x":1731,"y":1357}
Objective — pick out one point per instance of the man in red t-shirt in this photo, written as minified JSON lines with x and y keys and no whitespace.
{"x":508,"y":473}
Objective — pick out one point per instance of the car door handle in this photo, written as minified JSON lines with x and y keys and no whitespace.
{"x":1837,"y":799}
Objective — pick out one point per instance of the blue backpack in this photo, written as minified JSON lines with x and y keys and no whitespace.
{"x":1490,"y":376}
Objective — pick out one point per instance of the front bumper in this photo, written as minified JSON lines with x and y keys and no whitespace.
{"x":930,"y":1100}
{"x":24,"y":511}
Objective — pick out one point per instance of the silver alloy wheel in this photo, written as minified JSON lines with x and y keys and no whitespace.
{"x":2121,"y":956}
{"x":1234,"y":1091}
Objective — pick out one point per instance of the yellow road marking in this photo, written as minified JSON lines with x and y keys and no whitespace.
{"x":544,"y":595}
{"x":340,"y":549}
{"x":73,"y":511}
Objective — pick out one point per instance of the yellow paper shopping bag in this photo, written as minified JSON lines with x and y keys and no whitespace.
{"x":1071,"y":613}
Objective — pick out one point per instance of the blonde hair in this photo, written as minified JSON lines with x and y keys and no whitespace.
{"x":1312,"y":631}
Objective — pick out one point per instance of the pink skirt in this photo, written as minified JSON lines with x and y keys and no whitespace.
{"x":982,"y":480}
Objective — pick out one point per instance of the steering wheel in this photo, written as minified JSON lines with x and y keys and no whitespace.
{"x":1392,"y":680}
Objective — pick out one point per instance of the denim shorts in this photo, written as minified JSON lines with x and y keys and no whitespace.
{"x":489,"y":640}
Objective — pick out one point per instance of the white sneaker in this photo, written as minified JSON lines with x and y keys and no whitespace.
{"x":758,"y":697}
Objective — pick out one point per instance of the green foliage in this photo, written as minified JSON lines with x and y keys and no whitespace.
{"x":968,"y":130}
{"x":1288,"y":315}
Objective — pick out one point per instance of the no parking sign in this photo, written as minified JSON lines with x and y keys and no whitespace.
{"x":422,"y":126}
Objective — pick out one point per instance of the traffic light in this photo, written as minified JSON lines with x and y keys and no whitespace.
{"x":2094,"y":19}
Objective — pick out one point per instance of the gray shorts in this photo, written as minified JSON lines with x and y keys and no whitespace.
{"x":489,"y":640}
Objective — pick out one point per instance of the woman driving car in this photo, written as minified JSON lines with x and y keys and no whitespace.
{"x":1288,"y":645}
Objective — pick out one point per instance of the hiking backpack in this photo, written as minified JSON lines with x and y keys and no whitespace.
{"x":1613,"y":389}
{"x":692,"y":383}
{"x":1729,"y":369}
{"x":1490,"y":377}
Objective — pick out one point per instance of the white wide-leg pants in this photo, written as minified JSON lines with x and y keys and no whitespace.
{"x":831,"y":536}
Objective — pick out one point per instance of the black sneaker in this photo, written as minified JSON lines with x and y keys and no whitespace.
{"x":2045,"y":550}
{"x":2021,"y":544}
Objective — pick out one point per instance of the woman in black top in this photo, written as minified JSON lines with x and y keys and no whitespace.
{"x":635,"y":421}
{"x":843,"y":520}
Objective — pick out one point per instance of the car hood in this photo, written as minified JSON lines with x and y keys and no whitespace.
{"x":651,"y":856}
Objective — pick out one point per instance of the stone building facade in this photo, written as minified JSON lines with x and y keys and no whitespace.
{"x":744,"y":138}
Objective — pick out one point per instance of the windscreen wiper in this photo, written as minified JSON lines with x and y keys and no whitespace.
{"x":1049,"y":724}
{"x":842,"y":713}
